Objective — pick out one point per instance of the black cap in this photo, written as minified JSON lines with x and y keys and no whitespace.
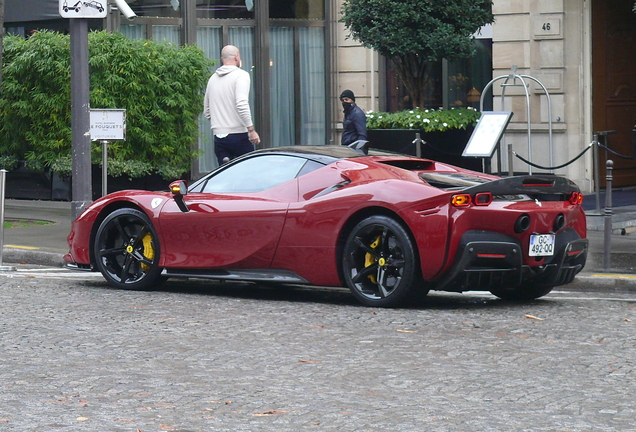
{"x":348,"y":94}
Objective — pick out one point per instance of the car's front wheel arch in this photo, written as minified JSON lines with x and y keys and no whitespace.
{"x":127,"y":250}
{"x":103,"y":214}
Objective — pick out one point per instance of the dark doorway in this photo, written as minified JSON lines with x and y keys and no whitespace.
{"x":614,"y":83}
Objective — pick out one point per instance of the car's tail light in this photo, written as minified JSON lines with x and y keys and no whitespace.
{"x":576,"y":198}
{"x":464,"y":200}
{"x":461,"y":200}
{"x":483,"y":199}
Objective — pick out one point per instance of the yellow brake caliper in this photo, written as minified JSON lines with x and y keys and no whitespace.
{"x":369,"y":260}
{"x":149,"y":252}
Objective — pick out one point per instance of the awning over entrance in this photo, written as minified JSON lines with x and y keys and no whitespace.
{"x":31,"y":10}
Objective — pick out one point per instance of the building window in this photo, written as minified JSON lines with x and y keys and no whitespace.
{"x":452,"y":83}
{"x":297,"y":9}
{"x":466,"y":78}
{"x":166,"y":33}
{"x":226,"y":9}
{"x":297,"y":83}
{"x":16,"y":31}
{"x":156,"y":8}
{"x":210,"y":39}
{"x":397,"y":96}
{"x":282,"y":98}
{"x":313,"y":98}
{"x":292,"y":69}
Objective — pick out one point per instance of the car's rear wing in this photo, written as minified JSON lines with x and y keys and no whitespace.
{"x":531,"y":185}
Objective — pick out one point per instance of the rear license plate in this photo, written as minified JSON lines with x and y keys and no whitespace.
{"x":541,"y":245}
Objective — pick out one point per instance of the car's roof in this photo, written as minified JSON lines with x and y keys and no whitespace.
{"x":323,"y":153}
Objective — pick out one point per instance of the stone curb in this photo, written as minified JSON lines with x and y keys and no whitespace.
{"x":35,"y":257}
{"x":601,"y":282}
{"x":621,"y":223}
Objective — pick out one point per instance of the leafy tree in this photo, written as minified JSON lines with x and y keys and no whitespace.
{"x":413,"y":33}
{"x":160,"y":86}
{"x":1,"y":35}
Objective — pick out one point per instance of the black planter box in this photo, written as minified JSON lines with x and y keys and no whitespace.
{"x":113,"y":184}
{"x":23,"y":183}
{"x":444,"y":147}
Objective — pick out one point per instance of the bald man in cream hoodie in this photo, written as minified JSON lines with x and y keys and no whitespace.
{"x":226,"y":106}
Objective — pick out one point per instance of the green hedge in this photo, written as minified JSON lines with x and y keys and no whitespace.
{"x":160,"y":86}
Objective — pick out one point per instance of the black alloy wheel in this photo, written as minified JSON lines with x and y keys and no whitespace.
{"x":380,"y":262}
{"x":127,"y":250}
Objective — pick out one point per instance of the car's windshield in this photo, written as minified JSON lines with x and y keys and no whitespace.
{"x":254,"y":174}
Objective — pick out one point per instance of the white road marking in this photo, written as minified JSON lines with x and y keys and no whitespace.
{"x":554,"y":295}
{"x":50,"y":273}
{"x":63,"y":273}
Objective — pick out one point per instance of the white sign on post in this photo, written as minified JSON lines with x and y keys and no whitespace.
{"x":490,"y":127}
{"x":83,"y":8}
{"x":108,"y":124}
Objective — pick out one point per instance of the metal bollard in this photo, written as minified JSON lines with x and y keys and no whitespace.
{"x":510,"y":161}
{"x":597,"y":175}
{"x":607,"y":244}
{"x":3,"y":177}
{"x":418,"y":145}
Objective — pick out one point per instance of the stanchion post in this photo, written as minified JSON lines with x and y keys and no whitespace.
{"x":510,"y":161}
{"x":418,"y":145}
{"x":607,"y":244}
{"x":3,"y":176}
{"x":597,"y":175}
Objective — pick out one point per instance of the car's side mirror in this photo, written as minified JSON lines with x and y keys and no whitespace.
{"x":179,"y":189}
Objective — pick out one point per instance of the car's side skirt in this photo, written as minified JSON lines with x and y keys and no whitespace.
{"x":254,"y":275}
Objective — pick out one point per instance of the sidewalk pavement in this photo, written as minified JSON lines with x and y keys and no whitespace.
{"x":46,"y":244}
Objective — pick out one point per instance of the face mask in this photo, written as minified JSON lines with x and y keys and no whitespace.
{"x":346,"y":105}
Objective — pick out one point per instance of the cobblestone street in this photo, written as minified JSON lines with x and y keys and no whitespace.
{"x":198,"y":356}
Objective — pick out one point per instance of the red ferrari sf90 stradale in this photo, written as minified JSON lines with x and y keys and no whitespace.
{"x":387,"y":226}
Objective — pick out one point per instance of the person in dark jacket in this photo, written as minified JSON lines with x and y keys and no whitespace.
{"x":355,"y":121}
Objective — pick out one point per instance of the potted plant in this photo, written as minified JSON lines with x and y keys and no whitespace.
{"x":445,"y":133}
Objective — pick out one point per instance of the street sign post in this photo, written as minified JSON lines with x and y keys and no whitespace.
{"x":80,"y":11}
{"x":107,"y":125}
{"x":83,"y":8}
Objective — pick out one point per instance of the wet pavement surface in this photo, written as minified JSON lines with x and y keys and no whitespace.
{"x":194,"y":355}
